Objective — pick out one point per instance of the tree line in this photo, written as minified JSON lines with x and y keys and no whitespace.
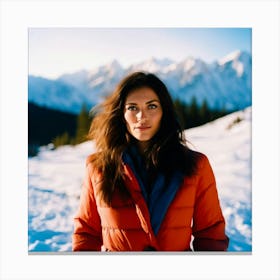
{"x":193,"y":114}
{"x":83,"y":122}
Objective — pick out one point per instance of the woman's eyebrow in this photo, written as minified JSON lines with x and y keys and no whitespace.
{"x":154,"y":100}
{"x":148,"y":102}
{"x":130,"y":103}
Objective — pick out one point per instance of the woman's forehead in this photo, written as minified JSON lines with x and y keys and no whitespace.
{"x":144,"y":94}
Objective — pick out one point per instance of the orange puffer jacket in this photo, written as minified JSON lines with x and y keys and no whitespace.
{"x":125,"y":226}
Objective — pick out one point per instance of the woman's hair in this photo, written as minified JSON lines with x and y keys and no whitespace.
{"x":167,"y":150}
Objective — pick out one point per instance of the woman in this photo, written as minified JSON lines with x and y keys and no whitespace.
{"x":144,"y":189}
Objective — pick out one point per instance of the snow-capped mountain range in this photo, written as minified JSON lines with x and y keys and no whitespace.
{"x":225,"y":83}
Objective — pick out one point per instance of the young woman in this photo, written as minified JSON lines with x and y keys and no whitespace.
{"x":144,"y":189}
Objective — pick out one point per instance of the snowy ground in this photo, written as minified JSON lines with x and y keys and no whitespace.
{"x":55,"y":179}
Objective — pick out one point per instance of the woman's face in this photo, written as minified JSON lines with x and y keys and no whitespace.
{"x":142,"y":113}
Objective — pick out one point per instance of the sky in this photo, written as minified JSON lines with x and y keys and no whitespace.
{"x":56,"y":51}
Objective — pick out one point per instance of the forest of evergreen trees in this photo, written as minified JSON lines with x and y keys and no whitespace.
{"x":193,"y":114}
{"x":49,"y":126}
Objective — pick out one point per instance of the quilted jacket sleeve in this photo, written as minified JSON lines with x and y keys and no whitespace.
{"x":208,"y":221}
{"x":87,"y":234}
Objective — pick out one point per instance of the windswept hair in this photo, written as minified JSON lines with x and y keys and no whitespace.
{"x":167,"y":150}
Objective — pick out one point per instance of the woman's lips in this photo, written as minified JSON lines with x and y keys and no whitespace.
{"x":142,"y":127}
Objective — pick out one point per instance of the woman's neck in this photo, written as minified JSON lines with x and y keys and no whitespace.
{"x":142,"y":146}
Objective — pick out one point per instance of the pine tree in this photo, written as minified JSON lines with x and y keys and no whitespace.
{"x":194,"y":118}
{"x":83,"y":123}
{"x":181,"y":111}
{"x":61,"y":140}
{"x":204,"y":112}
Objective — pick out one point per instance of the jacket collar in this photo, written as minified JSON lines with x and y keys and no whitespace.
{"x":162,"y":193}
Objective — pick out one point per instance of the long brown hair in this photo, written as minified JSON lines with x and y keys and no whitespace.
{"x":167,"y":150}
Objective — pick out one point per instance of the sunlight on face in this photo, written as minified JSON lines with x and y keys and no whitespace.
{"x":142,"y":113}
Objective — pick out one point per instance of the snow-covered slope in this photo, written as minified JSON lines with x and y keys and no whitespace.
{"x":224,"y":84}
{"x":55,"y":178}
{"x":227,"y":143}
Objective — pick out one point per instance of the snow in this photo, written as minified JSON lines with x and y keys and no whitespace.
{"x":226,"y":83}
{"x":55,"y":178}
{"x":227,"y":143}
{"x":234,"y":59}
{"x":230,"y":57}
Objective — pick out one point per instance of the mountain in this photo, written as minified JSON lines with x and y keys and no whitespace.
{"x":225,"y":84}
{"x":54,"y":94}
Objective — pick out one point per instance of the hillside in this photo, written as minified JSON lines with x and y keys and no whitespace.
{"x":55,"y":178}
{"x":44,"y":124}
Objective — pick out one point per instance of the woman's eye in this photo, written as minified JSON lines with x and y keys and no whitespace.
{"x":132,"y":108}
{"x":152,"y":106}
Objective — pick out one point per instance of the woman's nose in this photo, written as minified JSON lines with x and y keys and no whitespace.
{"x":141,"y":115}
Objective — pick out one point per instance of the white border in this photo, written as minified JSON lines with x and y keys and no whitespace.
{"x":18,"y":16}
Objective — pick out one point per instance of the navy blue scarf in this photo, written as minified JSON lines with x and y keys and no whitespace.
{"x":158,"y":193}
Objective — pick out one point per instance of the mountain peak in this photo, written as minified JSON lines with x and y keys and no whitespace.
{"x":114,"y":64}
{"x":152,"y":64}
{"x":233,"y":56}
{"x":225,"y":83}
{"x":193,"y":64}
{"x":239,"y":61}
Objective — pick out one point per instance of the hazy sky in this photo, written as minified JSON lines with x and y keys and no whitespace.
{"x":54,"y":51}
